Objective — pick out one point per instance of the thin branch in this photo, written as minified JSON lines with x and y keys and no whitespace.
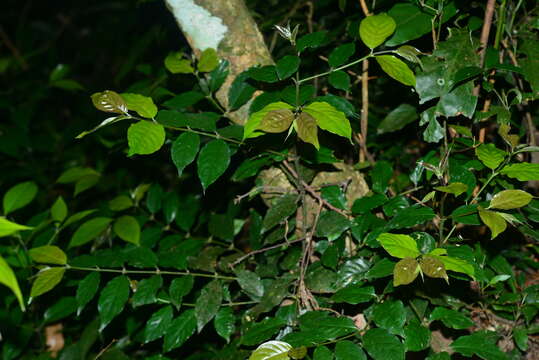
{"x":149,"y":272}
{"x":364,"y":7}
{"x":260,"y":251}
{"x":364,"y":153}
{"x":16,"y":54}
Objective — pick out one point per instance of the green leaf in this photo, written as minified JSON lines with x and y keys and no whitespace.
{"x":145,"y":137}
{"x":455,"y":188}
{"x":176,"y":65}
{"x":272,"y":350}
{"x":341,"y":54}
{"x":398,"y":245}
{"x":307,"y":129}
{"x":147,"y":291}
{"x":434,"y":132}
{"x":266,"y":73}
{"x":208,"y":60}
{"x":433,"y":267}
{"x":398,"y":118}
{"x":109,"y":101}
{"x":287,"y":66}
{"x":224,"y":323}
{"x":353,"y":294}
{"x":276,"y":121}
{"x":8,"y":228}
{"x":180,"y":287}
{"x":19,"y":196}
{"x":330,"y":119}
{"x":158,"y":324}
{"x":347,"y":350}
{"x":522,"y":171}
{"x":240,"y":91}
{"x":397,"y":69}
{"x":322,"y":353}
{"x":390,"y":315}
{"x":48,"y":254}
{"x":89,"y":231}
{"x":340,"y":80}
{"x":184,"y":150}
{"x":510,"y":199}
{"x":490,"y":155}
{"x":481,"y":344}
{"x":128,"y":229}
{"x":411,"y":216}
{"x":331,"y":225}
{"x":143,"y":105}
{"x":249,"y":130}
{"x":520,"y":337}
{"x":250,"y":283}
{"x":180,"y":330}
{"x":455,"y":264}
{"x":7,"y":277}
{"x":381,"y":345}
{"x":416,"y":336}
{"x":381,"y":173}
{"x":219,"y":75}
{"x":405,"y":271}
{"x":46,"y":280}
{"x":494,"y":221}
{"x":112,"y":300}
{"x":312,"y":40}
{"x":258,"y":332}
{"x":120,"y":203}
{"x":212,"y":162}
{"x":208,"y":303}
{"x":451,"y":318}
{"x":282,"y":208}
{"x":375,"y":29}
{"x":59,"y":209}
{"x":86,"y":290}
{"x":410,"y":53}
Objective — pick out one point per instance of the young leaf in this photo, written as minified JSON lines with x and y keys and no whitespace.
{"x":454,"y":264}
{"x":307,"y":129}
{"x":490,"y":155}
{"x":109,"y":101}
{"x":86,"y":290}
{"x":397,"y":69}
{"x":48,"y":254}
{"x":272,"y":350}
{"x":180,"y":330}
{"x":249,"y":130}
{"x":89,"y":231}
{"x":46,"y":280}
{"x":145,"y":137}
{"x":212,"y":162}
{"x":455,"y":188}
{"x":143,"y":105}
{"x":120,"y":203}
{"x":8,"y":228}
{"x":330,"y":119}
{"x":276,"y":121}
{"x":59,"y":209}
{"x":19,"y":196}
{"x":7,"y":277}
{"x":208,"y":60}
{"x":176,"y":65}
{"x":433,"y":267}
{"x":128,"y":229}
{"x":112,"y":300}
{"x":184,"y":150}
{"x":398,"y":245}
{"x":375,"y":29}
{"x":208,"y":303}
{"x":495,"y":222}
{"x":510,"y":199}
{"x":522,"y":171}
{"x":158,"y":324}
{"x":405,"y":271}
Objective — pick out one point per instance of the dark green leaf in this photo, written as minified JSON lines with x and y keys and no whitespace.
{"x":87,"y":289}
{"x":451,"y":318}
{"x":398,"y":118}
{"x":180,"y":287}
{"x":341,"y":54}
{"x":339,"y":80}
{"x":482,"y":344}
{"x":240,"y":91}
{"x":407,"y":218}
{"x":266,"y":73}
{"x":251,"y":284}
{"x":287,"y":66}
{"x":331,"y":225}
{"x":184,"y":150}
{"x":312,"y":40}
{"x":180,"y":330}
{"x":128,"y":229}
{"x":354,"y":294}
{"x":212,"y":162}
{"x":147,"y":291}
{"x":347,"y":350}
{"x":262,"y":331}
{"x":158,"y":324}
{"x":381,"y":345}
{"x":224,"y":323}
{"x":208,"y":303}
{"x":282,"y":208}
{"x":322,"y":353}
{"x":416,"y":336}
{"x":390,"y":315}
{"x":219,"y":75}
{"x":184,"y":100}
{"x":112,"y":300}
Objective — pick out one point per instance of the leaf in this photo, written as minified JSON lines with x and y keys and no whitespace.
{"x":8,"y":228}
{"x":19,"y":196}
{"x":494,"y":221}
{"x":341,"y":54}
{"x":219,"y":75}
{"x":312,"y":40}
{"x":510,"y":139}
{"x":224,"y":323}
{"x":250,"y":283}
{"x":75,"y":174}
{"x":298,"y":352}
{"x":89,"y":231}
{"x":434,"y":132}
{"x":184,"y":150}
{"x":120,"y":203}
{"x":145,"y":137}
{"x":86,"y":290}
{"x":433,"y":267}
{"x":46,"y":280}
{"x":266,"y":73}
{"x":455,"y":264}
{"x":331,"y":225}
{"x":398,"y":118}
{"x":399,"y":246}
{"x":180,"y":287}
{"x":158,"y":324}
{"x":208,"y":60}
{"x":249,"y":130}
{"x":416,"y":336}
{"x":48,"y":254}
{"x":390,"y":315}
{"x":240,"y":91}
{"x":510,"y":199}
{"x":347,"y":350}
{"x":287,"y":66}
{"x":330,"y":119}
{"x":271,"y":350}
{"x":405,"y":271}
{"x":411,"y":216}
{"x":340,"y":80}
{"x":375,"y":29}
{"x":143,"y":105}
{"x":481,"y":343}
{"x":112,"y":300}
{"x":410,"y":53}
{"x":455,"y":188}
{"x":522,"y":171}
{"x":59,"y":209}
{"x":176,"y":65}
{"x":109,"y":101}
{"x":353,"y":294}
{"x":250,"y":167}
{"x":180,"y":330}
{"x":397,"y":69}
{"x":381,"y":174}
{"x":147,"y":291}
{"x":307,"y":129}
{"x":258,"y":332}
{"x":381,"y":345}
{"x":128,"y":229}
{"x":276,"y":121}
{"x":490,"y":155}
{"x":208,"y":303}
{"x":7,"y":277}
{"x":451,"y":318}
{"x":322,"y":353}
{"x":212,"y":162}
{"x":282,"y":208}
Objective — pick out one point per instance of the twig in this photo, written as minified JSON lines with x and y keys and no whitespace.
{"x":363,"y":153}
{"x":364,"y":7}
{"x":259,"y":251}
{"x":5,"y":38}
{"x":265,"y":189}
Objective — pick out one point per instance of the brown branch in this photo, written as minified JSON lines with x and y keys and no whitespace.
{"x":364,"y":7}
{"x":259,"y":251}
{"x":364,"y":153}
{"x":16,"y":54}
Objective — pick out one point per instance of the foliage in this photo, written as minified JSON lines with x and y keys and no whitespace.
{"x":168,"y":231}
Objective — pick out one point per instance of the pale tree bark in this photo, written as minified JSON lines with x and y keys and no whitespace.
{"x":228,"y":27}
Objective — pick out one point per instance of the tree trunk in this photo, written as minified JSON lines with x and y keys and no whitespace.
{"x":227,"y":26}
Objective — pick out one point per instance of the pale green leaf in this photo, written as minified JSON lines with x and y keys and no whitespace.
{"x":276,"y":121}
{"x":59,"y":209}
{"x":375,"y":29}
{"x":397,"y":69}
{"x":452,"y":263}
{"x":48,"y":254}
{"x":398,"y":245}
{"x":522,"y":171}
{"x":329,"y":118}
{"x":307,"y":129}
{"x":490,"y":155}
{"x":176,"y":65}
{"x":510,"y":199}
{"x":128,"y":229}
{"x":7,"y":277}
{"x":494,"y":221}
{"x":19,"y":196}
{"x":9,"y":228}
{"x":208,"y":60}
{"x":455,"y":188}
{"x":46,"y":280}
{"x":145,"y":137}
{"x":272,"y":350}
{"x":143,"y":105}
